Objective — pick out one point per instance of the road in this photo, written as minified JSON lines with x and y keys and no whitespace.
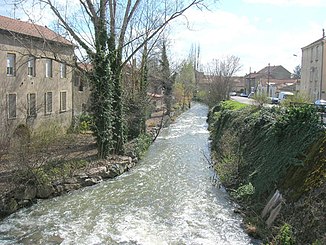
{"x":243,"y":100}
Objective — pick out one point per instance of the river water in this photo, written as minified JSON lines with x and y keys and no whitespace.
{"x":168,"y":198}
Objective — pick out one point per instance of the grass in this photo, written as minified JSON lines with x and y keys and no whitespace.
{"x":232,"y":105}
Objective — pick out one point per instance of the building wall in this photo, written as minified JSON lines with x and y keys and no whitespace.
{"x":323,"y":72}
{"x":21,"y":84}
{"x":313,"y":71}
{"x":280,"y":72}
{"x":81,"y":93}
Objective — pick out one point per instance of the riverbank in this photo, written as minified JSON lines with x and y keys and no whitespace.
{"x":59,"y":163}
{"x":272,"y":161}
{"x":69,"y":167}
{"x":167,"y":199}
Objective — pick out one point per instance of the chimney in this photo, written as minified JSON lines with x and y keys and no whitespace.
{"x":323,"y":32}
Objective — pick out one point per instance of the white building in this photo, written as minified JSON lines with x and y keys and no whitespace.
{"x":313,"y":70}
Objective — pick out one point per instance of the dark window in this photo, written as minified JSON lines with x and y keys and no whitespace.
{"x":48,"y":102}
{"x":63,"y":101}
{"x":31,"y":105}
{"x":12,"y":102}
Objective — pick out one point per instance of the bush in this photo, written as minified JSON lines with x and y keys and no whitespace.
{"x":285,"y":236}
{"x":142,"y":144}
{"x":84,"y":123}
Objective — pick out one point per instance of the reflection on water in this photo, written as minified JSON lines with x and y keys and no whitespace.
{"x":167,"y":199}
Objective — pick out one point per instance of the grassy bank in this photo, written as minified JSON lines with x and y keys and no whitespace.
{"x":260,"y":150}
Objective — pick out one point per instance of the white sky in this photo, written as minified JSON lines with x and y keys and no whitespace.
{"x":257,"y":31}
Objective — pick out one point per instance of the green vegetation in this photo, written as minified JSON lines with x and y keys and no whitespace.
{"x":140,"y":145}
{"x":82,"y":124}
{"x":258,"y":150}
{"x":52,"y":171}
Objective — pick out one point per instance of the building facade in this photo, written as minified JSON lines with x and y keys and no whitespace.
{"x":313,"y":70}
{"x":35,"y":76}
{"x":269,"y":80}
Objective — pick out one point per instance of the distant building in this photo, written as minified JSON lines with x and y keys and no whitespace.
{"x":313,"y":70}
{"x":35,"y":76}
{"x":270,"y":80}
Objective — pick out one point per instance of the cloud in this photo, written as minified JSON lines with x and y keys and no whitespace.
{"x":221,"y":33}
{"x":214,"y":31}
{"x":286,"y":3}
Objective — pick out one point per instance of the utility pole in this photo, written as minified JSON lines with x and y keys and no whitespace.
{"x":322,"y":65}
{"x":269,"y":70}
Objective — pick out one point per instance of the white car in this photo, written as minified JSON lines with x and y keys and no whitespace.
{"x":251,"y":94}
{"x":320,"y":102}
{"x":233,"y":93}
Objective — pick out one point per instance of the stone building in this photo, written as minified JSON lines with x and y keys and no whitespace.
{"x":270,"y":80}
{"x":35,"y":76}
{"x":313,"y":70}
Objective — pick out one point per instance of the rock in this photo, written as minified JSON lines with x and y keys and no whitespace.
{"x":25,"y":193}
{"x":9,"y":206}
{"x":91,"y":181}
{"x":98,"y":171}
{"x":71,"y":181}
{"x":70,"y":187}
{"x":44,"y":191}
{"x":25,"y":203}
{"x":58,"y":189}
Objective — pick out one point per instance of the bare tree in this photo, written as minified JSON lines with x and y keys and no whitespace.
{"x":220,"y":78}
{"x":185,"y":84}
{"x":102,"y":30}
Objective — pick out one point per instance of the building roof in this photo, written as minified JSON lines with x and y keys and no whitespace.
{"x":315,"y":42}
{"x":271,"y":72}
{"x":30,"y":29}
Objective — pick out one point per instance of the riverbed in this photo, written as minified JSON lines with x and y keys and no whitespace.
{"x":168,"y":198}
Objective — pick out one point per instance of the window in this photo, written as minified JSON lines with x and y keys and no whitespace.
{"x":12,"y":102}
{"x":316,"y":74}
{"x":31,"y":105}
{"x":311,"y":54}
{"x":31,"y":66}
{"x":48,"y":102}
{"x":63,"y":101}
{"x":63,"y":70}
{"x":48,"y":68}
{"x":311,"y":76}
{"x":317,"y":50}
{"x":11,"y":60}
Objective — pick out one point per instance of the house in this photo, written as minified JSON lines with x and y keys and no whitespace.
{"x":35,"y":76}
{"x":313,"y":69}
{"x":270,"y":80}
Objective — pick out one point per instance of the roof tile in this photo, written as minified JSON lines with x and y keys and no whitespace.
{"x":31,"y":29}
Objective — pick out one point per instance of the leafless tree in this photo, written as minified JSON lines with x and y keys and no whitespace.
{"x":219,"y":78}
{"x":102,"y":30}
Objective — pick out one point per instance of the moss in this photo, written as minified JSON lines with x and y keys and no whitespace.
{"x":311,"y":175}
{"x":271,"y":148}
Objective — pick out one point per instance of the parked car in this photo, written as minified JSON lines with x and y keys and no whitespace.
{"x":284,"y":95}
{"x":320,"y":102}
{"x":243,"y":95}
{"x":251,"y":94}
{"x":321,"y":105}
{"x":233,"y":93}
{"x":274,"y":100}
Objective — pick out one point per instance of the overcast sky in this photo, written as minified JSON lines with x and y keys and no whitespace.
{"x":257,"y":31}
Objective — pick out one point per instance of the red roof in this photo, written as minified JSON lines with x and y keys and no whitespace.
{"x":31,"y":29}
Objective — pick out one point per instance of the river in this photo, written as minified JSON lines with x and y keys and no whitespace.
{"x":168,"y":198}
